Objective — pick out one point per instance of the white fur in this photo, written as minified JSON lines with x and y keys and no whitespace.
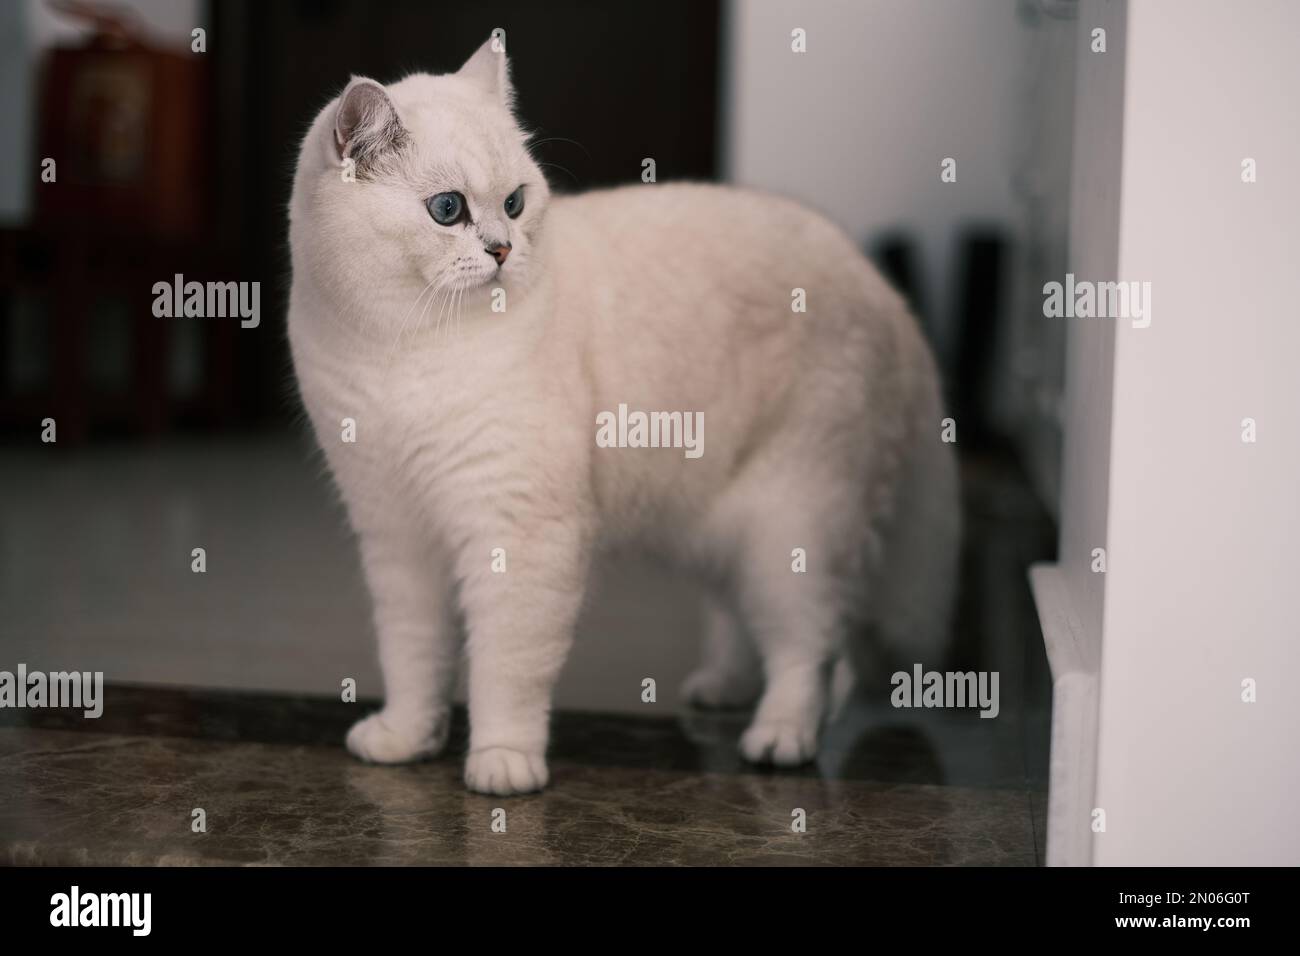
{"x":475,"y":430}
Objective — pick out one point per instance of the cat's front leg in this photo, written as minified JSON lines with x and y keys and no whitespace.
{"x":520,"y":621}
{"x":418,"y":647}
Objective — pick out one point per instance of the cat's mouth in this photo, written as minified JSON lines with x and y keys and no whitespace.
{"x":484,"y":278}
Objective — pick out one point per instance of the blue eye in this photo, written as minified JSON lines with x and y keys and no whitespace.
{"x":515,"y":203}
{"x":447,"y":209}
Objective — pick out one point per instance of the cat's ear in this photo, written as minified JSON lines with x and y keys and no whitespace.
{"x":489,"y":68}
{"x":366,"y":124}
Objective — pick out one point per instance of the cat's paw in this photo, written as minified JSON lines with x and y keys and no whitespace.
{"x":717,"y":689}
{"x":381,"y":738}
{"x":786,"y":744}
{"x":503,"y":771}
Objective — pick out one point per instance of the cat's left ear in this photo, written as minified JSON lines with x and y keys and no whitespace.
{"x":366,"y":124}
{"x":490,"y":69}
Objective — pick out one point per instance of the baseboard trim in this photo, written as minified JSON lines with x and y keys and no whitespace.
{"x":1073,"y":767}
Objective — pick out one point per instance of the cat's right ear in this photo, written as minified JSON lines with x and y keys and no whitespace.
{"x":366,"y":124}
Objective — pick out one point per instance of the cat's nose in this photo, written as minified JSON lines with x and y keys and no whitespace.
{"x":499,"y":251}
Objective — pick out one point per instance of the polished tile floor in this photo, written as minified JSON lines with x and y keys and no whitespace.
{"x":276,"y":788}
{"x":95,"y":575}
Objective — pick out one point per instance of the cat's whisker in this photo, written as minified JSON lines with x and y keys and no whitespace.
{"x":558,"y":139}
{"x":460,"y":306}
{"x":418,"y":298}
{"x":451,"y":311}
{"x":392,"y":352}
{"x":420,"y":325}
{"x":443,"y":300}
{"x":443,"y":306}
{"x":563,"y":169}
{"x":427,"y":309}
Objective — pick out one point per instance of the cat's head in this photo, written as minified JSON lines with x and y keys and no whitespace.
{"x":425,"y":182}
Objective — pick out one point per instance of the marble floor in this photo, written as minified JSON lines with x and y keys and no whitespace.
{"x":275,"y":787}
{"x":223,"y":697}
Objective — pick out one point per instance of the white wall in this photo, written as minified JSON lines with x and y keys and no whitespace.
{"x":1029,"y":370}
{"x":1094,"y":237}
{"x":858,"y":125}
{"x":1203,"y":528}
{"x":1070,"y":594}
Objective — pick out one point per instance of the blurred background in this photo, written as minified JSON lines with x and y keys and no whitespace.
{"x":175,"y":434}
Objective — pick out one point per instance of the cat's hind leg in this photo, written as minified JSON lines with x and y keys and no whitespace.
{"x":793,"y":602}
{"x":730,"y":674}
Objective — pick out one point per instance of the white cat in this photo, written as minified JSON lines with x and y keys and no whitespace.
{"x":457,"y":333}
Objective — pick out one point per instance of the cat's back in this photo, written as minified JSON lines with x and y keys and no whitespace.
{"x":704,"y":240}
{"x":692,"y":218}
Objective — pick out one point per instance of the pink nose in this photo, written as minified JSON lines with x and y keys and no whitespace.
{"x":499,"y":252}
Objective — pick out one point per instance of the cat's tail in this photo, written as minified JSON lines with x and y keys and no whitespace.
{"x":908,"y":617}
{"x":908,"y":607}
{"x":916,"y":582}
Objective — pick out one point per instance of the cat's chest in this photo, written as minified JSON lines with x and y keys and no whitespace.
{"x":406,"y":403}
{"x":405,"y":421}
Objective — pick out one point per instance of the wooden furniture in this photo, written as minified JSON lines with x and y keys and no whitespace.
{"x":69,"y":275}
